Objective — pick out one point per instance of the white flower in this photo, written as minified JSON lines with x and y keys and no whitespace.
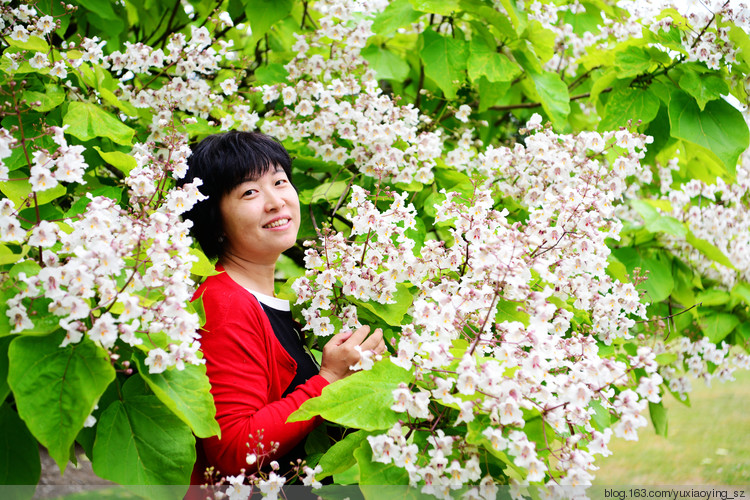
{"x":19,"y":33}
{"x":366,"y":359}
{"x":38,"y":61}
{"x":157,"y":360}
{"x":43,"y":234}
{"x":228,"y":86}
{"x":309,"y":479}
{"x":271,"y":487}
{"x":463,"y":113}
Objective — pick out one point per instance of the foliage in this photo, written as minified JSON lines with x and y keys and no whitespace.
{"x":544,"y":206}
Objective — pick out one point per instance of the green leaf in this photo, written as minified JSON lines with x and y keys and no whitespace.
{"x":19,"y":451}
{"x":660,"y":283}
{"x":719,"y":128}
{"x":186,"y":393}
{"x":362,"y":400}
{"x":43,"y":322}
{"x":387,"y":65}
{"x":617,"y":269}
{"x":139,"y":441}
{"x":656,"y":222}
{"x":704,"y":87}
{"x":399,"y":13}
{"x":18,"y":191}
{"x":741,"y":291}
{"x":203,"y":266}
{"x":626,"y":104}
{"x":87,"y":121}
{"x":313,"y":165}
{"x":602,"y":417}
{"x":263,"y":14}
{"x":632,"y":61}
{"x":53,"y":96}
{"x":328,"y":191}
{"x":57,"y":388}
{"x":512,"y":11}
{"x":110,"y":98}
{"x":491,"y":18}
{"x":551,"y":90}
{"x":340,"y":456}
{"x":122,"y":161}
{"x":507,"y":310}
{"x":103,"y":8}
{"x":34,"y":43}
{"x":658,"y":418}
{"x":484,"y":60}
{"x":712,"y":297}
{"x":665,"y":358}
{"x":744,"y":331}
{"x":474,"y":436}
{"x":709,"y":250}
{"x":376,"y":473}
{"x":542,"y":40}
{"x":442,"y":7}
{"x":717,"y":326}
{"x":444,"y":61}
{"x":740,"y":39}
{"x":4,"y":387}
{"x":7,"y":256}
{"x":393,"y":314}
{"x":79,"y":206}
{"x":272,"y":73}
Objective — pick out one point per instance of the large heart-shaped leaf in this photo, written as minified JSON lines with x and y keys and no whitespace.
{"x":57,"y":388}
{"x":361,"y":401}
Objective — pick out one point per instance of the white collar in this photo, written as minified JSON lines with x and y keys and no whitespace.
{"x":274,"y":302}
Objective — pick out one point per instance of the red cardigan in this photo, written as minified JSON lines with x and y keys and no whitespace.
{"x":248,"y":370}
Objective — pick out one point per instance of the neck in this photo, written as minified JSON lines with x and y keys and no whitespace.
{"x":258,"y":277}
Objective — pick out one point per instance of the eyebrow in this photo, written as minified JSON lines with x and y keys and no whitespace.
{"x":277,"y":170}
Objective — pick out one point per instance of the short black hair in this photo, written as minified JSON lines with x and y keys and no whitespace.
{"x":223,"y":162}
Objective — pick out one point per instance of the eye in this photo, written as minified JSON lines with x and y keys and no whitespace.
{"x":280,"y":182}
{"x":249,"y":192}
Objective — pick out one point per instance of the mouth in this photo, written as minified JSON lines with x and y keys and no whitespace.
{"x":277,"y":223}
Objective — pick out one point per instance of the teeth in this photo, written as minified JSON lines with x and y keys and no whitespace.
{"x":278,"y":223}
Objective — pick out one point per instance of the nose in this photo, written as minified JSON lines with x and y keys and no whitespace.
{"x":273,"y":201}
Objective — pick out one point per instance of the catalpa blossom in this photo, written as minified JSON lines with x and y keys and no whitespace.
{"x":366,"y":360}
{"x":463,"y":113}
{"x":271,"y":487}
{"x":228,"y":86}
{"x":39,"y":60}
{"x":44,"y":234}
{"x":157,"y":360}
{"x":19,"y":33}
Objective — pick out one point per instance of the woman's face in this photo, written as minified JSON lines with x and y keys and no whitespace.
{"x":260,"y":218}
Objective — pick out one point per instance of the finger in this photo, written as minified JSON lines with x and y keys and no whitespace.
{"x":359,"y":335}
{"x":374,"y":341}
{"x":341,"y":337}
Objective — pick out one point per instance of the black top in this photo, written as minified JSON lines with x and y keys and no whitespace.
{"x":288,"y":333}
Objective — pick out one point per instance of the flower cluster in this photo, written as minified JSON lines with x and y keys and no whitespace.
{"x":706,"y":38}
{"x":361,"y":271}
{"x":505,"y":317}
{"x":87,"y":274}
{"x":717,"y":213}
{"x":336,"y":98}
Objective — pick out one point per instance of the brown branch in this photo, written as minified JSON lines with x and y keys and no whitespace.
{"x":530,"y":105}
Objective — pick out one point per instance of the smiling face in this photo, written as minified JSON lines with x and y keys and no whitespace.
{"x":260,"y":218}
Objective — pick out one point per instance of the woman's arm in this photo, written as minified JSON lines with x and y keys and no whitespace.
{"x":249,"y":370}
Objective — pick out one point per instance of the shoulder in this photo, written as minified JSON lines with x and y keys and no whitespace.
{"x":224,"y":300}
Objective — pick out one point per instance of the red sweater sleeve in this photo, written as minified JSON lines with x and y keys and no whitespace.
{"x":248,"y":370}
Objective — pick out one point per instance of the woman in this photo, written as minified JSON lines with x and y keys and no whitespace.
{"x":259,"y":369}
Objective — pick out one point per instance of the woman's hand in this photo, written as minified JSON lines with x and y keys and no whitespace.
{"x":339,"y":353}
